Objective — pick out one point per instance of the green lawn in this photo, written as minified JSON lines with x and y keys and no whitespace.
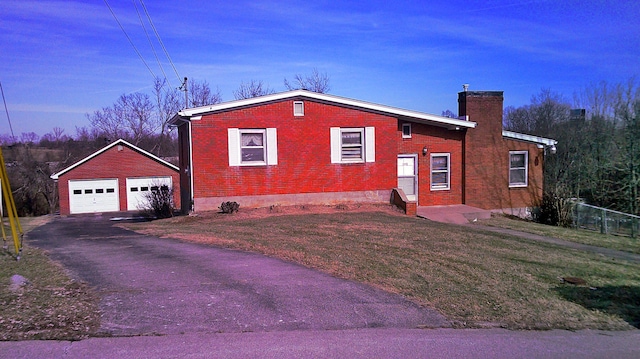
{"x":51,"y":306}
{"x":475,"y":278}
{"x":583,"y":236}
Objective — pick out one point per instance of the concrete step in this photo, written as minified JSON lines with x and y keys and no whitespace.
{"x":455,"y":214}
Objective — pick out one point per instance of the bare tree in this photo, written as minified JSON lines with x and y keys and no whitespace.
{"x":519,"y":119}
{"x":316,"y":82}
{"x":200,"y":94}
{"x":29,"y":137}
{"x":58,"y":134}
{"x":138,"y":112}
{"x":6,"y":139}
{"x":449,"y":114}
{"x":252,"y":89}
{"x":131,"y":117}
{"x":549,"y":108}
{"x":33,"y":190}
{"x":85,"y":134}
{"x":106,"y":121}
{"x":168,"y":101}
{"x":627,"y":113}
{"x":546,"y":110}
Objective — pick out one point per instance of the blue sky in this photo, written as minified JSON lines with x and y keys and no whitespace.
{"x":62,"y":59}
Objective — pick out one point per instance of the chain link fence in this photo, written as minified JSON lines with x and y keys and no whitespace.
{"x":605,"y":221}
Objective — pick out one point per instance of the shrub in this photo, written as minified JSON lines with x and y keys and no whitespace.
{"x":554,"y":209}
{"x":160,"y":201}
{"x":229,"y":207}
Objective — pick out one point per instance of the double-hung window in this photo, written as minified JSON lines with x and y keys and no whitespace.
{"x":353,"y":145}
{"x":518,"y":165}
{"x":252,"y":147}
{"x":440,"y":171}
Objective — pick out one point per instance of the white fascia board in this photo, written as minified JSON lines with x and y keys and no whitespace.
{"x":529,"y":138}
{"x":192,"y":113}
{"x":57,"y":175}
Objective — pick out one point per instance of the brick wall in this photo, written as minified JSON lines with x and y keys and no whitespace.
{"x":437,"y":140}
{"x":304,"y":153}
{"x":487,"y":156}
{"x":117,"y":162}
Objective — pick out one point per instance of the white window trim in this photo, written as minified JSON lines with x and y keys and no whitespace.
{"x":262,"y":132}
{"x":362,"y":145}
{"x":296,"y":112}
{"x":526,"y":169}
{"x":270,"y":146}
{"x":432,"y":171}
{"x":368,"y":147}
{"x":403,"y":127}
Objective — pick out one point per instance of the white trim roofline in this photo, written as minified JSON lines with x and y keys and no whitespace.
{"x":529,"y":138}
{"x":57,"y":175}
{"x":412,"y":116}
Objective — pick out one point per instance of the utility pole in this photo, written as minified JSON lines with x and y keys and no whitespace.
{"x":184,"y":88}
{"x":7,"y":111}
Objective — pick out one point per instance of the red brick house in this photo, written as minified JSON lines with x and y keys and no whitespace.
{"x":305,"y":147}
{"x":115,"y":178}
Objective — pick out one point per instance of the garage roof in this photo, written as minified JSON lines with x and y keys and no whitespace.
{"x":122,"y":142}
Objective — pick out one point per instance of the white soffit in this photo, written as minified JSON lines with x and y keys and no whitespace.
{"x":529,"y":138}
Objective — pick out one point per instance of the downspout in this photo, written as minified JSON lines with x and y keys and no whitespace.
{"x":191,"y":172}
{"x":464,"y":167}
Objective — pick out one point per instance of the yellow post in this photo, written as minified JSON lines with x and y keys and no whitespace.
{"x":12,"y":212}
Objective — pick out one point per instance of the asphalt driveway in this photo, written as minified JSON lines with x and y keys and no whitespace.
{"x":150,"y":285}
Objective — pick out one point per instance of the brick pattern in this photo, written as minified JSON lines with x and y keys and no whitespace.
{"x":118,"y":162}
{"x":478,"y":157}
{"x":399,"y":199}
{"x":486,"y":152}
{"x":304,"y":152}
{"x":437,"y":140}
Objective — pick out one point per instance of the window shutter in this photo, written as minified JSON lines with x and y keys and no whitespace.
{"x":234,"y":147}
{"x":336,"y":146}
{"x":272,"y":146}
{"x":370,"y":143}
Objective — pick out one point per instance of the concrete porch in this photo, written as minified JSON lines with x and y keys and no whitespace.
{"x":455,"y":214}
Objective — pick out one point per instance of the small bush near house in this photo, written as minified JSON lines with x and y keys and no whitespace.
{"x":160,"y":202}
{"x":229,"y":207}
{"x":554,"y":209}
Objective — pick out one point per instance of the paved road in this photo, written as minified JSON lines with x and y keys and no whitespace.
{"x":150,"y":285}
{"x":351,"y":343}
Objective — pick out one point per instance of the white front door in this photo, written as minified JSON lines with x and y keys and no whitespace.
{"x":92,"y":196}
{"x":408,"y":176}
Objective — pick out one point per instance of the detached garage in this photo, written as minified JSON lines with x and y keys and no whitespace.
{"x":115,"y":178}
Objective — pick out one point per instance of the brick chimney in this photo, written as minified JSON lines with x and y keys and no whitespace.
{"x":485,"y":161}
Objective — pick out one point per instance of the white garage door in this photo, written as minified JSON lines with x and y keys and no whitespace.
{"x":138,"y":190}
{"x":91,"y":196}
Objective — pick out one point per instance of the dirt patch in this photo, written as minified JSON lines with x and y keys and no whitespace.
{"x":277,"y":210}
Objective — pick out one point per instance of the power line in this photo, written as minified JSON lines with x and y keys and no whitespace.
{"x":128,"y":38}
{"x":159,"y":39}
{"x":153,"y":49}
{"x":7,"y":111}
